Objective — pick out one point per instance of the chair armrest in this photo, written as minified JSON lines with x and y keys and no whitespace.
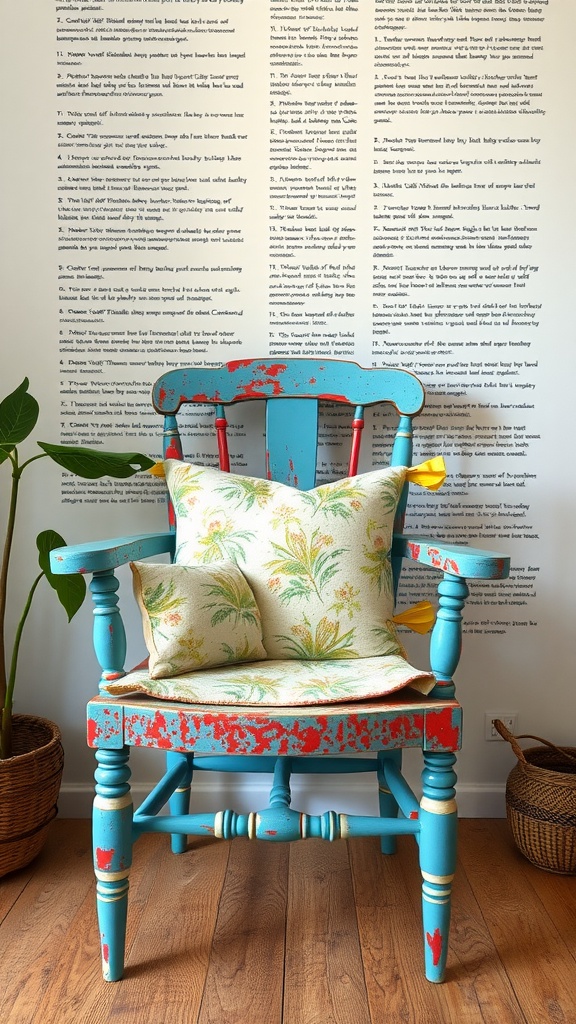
{"x":101,"y":555}
{"x":456,"y":559}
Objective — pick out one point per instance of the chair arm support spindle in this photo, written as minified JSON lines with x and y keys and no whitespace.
{"x":446,"y":639}
{"x":109,"y":634}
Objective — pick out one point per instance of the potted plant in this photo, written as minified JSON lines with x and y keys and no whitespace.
{"x":31,"y":757}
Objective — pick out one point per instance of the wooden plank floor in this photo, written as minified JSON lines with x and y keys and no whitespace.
{"x":307,"y":933}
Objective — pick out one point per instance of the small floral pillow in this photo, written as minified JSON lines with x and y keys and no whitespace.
{"x":317,"y":561}
{"x":196,"y":616}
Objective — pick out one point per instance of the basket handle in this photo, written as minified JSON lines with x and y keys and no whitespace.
{"x":512,"y":740}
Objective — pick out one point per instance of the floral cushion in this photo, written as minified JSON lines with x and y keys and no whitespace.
{"x":280,"y":683}
{"x":196,"y":616}
{"x":317,"y":561}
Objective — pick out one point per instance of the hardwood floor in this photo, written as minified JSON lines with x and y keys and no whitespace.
{"x":311,"y":933}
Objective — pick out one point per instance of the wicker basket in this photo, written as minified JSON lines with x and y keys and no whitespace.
{"x":29,"y":787}
{"x":541,"y":802}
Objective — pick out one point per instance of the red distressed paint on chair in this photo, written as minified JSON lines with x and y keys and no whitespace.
{"x":104,"y":858}
{"x":435,"y":943}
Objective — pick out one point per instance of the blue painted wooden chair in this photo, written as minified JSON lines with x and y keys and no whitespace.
{"x":359,"y":726}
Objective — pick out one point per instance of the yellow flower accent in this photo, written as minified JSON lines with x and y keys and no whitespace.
{"x":324,"y":642}
{"x":283,"y":514}
{"x":430,"y":474}
{"x":192,"y":646}
{"x":419,"y":617}
{"x":346,"y":600}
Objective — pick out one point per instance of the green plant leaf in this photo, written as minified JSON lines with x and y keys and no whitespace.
{"x":18,"y":417}
{"x":91,"y":464}
{"x":71,"y":589}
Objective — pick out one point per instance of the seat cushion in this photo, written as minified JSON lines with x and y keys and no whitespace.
{"x":280,"y":682}
{"x":317,"y":561}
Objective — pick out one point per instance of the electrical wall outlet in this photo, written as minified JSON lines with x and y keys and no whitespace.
{"x":510,"y":719}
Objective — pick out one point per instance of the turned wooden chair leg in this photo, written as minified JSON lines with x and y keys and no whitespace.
{"x":438,"y":820}
{"x":112,"y":844}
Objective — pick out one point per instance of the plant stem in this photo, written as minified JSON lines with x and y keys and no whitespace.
{"x":16,"y":473}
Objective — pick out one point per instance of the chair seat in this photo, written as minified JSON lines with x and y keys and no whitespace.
{"x":405,"y":720}
{"x":280,"y":683}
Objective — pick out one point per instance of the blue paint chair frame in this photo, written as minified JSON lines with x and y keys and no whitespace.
{"x":279,"y":740}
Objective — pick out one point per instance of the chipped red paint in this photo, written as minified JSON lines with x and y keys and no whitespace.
{"x":312,"y":380}
{"x":441,"y":733}
{"x":434,"y":556}
{"x":251,"y":390}
{"x":414,"y":550}
{"x":162,"y":396}
{"x":334,"y":398}
{"x":104,"y":858}
{"x":271,"y":832}
{"x":435,"y":943}
{"x":406,"y":727}
{"x":451,"y":566}
{"x":201,"y":397}
{"x":94,"y":732}
{"x":272,"y":370}
{"x":413,"y":816}
{"x":238,"y":364}
{"x":254,"y":733}
{"x":105,"y":952}
{"x":172,"y":451}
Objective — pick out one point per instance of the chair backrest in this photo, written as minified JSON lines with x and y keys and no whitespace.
{"x":292,"y":391}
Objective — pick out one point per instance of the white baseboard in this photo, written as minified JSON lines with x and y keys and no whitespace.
{"x":354,"y":796}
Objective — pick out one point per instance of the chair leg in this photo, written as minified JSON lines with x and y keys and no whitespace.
{"x":387,"y":802}
{"x":180,"y":800}
{"x":438,"y":820}
{"x":112,"y":844}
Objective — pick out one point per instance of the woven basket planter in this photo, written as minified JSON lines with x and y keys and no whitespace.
{"x":541,"y":803}
{"x":29,"y":787}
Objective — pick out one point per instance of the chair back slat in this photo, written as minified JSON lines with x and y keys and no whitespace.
{"x":222,"y":438}
{"x":291,"y":441}
{"x":357,"y":428}
{"x":172,"y":444}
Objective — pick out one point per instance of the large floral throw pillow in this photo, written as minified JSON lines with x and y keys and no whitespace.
{"x":318,"y":562}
